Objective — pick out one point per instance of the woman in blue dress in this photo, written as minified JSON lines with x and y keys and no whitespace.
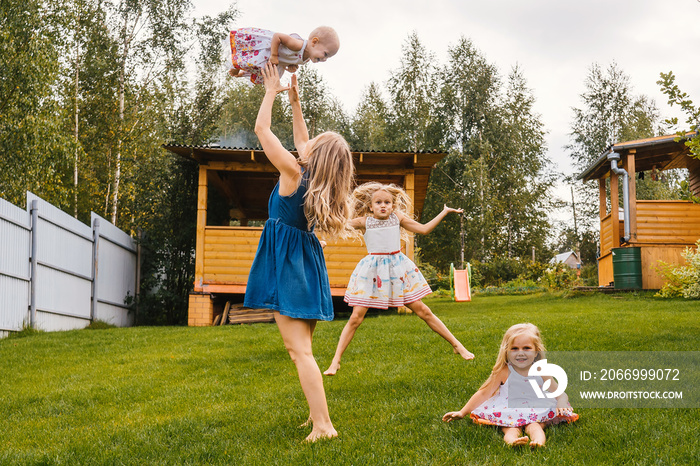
{"x":289,"y":272}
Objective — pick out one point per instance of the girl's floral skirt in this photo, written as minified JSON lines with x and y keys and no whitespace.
{"x":383,"y":281}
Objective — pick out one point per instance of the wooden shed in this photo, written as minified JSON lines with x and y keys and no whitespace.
{"x":234,"y":187}
{"x":662,"y":229}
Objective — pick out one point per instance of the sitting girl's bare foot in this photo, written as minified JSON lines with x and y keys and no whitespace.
{"x":536,"y":444}
{"x":519,"y":441}
{"x":318,"y":434}
{"x":462,"y":351}
{"x":332,"y":369}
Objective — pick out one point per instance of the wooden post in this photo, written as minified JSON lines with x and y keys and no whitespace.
{"x":632,"y":195}
{"x":202,"y":194}
{"x":602,"y":198}
{"x":615,"y":209}
{"x":409,"y":186}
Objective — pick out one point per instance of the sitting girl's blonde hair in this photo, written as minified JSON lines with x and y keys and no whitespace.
{"x":511,"y":334}
{"x":328,"y":161}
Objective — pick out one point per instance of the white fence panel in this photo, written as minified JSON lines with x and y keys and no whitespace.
{"x":56,"y":273}
{"x":63,"y":268}
{"x":114,"y":283}
{"x":15,"y":244}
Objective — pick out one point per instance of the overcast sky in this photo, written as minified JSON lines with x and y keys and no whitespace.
{"x":554,"y":42}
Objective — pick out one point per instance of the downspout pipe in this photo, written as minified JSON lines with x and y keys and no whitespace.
{"x":614,"y":157}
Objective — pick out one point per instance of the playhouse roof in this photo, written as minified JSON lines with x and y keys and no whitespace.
{"x":249,"y":170}
{"x":661,"y":152}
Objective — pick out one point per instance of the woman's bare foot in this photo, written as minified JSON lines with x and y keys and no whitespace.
{"x":462,"y":351}
{"x":307,"y":423}
{"x":318,"y":434}
{"x":332,"y":369}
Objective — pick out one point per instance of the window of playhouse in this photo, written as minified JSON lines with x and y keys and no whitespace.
{"x":223,"y":212}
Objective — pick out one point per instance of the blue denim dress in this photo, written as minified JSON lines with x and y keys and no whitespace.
{"x":289,"y":272}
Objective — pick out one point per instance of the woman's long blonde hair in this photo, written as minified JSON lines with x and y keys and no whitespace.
{"x":511,"y":334}
{"x":328,"y":161}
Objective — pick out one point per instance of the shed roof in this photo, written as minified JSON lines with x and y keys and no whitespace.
{"x":255,"y":181}
{"x":661,"y":152}
{"x":563,"y":257}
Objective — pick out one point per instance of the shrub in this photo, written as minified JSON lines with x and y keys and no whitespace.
{"x":497,"y":271}
{"x":682,"y":280}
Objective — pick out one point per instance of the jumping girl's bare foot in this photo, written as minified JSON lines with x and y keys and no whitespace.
{"x":462,"y":351}
{"x":332,"y":369}
{"x":321,"y":435}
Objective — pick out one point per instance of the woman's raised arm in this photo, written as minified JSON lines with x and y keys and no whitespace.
{"x":301,"y":133}
{"x":280,"y":157}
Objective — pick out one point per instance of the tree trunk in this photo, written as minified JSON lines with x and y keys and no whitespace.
{"x":76,"y":112}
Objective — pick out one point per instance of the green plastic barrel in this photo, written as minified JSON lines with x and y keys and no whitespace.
{"x":627,"y":268}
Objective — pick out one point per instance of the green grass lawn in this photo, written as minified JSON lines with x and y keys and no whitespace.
{"x":230,"y":395}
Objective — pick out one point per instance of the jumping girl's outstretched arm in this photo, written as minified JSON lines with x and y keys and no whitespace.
{"x":481,"y":395}
{"x":358,"y":223}
{"x":281,"y":158}
{"x":423,"y":229}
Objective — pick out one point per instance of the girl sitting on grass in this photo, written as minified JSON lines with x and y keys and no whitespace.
{"x":507,"y":398}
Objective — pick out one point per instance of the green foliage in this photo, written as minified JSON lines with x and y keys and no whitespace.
{"x":680,"y":98}
{"x":497,"y":271}
{"x":370,"y":127}
{"x":589,"y":274}
{"x":513,"y":287}
{"x":682,"y":280}
{"x":686,"y":194}
{"x":35,"y":153}
{"x":534,"y":271}
{"x":559,"y":277}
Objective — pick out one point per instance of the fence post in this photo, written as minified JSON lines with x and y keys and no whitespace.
{"x":33,"y":258}
{"x":95,"y":265}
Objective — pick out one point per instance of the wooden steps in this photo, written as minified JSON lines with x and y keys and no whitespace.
{"x":238,"y":314}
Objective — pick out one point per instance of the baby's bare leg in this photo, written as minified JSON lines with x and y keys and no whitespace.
{"x":438,"y":327}
{"x":536,"y":433}
{"x":512,"y":436}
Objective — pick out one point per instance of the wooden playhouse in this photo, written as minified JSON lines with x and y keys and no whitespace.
{"x":234,"y":187}
{"x":658,"y":230}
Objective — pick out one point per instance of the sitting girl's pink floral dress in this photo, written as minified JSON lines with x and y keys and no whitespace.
{"x":516,"y":405}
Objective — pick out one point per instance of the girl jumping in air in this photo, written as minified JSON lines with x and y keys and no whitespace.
{"x":507,"y":399}
{"x":252,"y":48}
{"x":289,"y":272}
{"x":386,"y":277}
